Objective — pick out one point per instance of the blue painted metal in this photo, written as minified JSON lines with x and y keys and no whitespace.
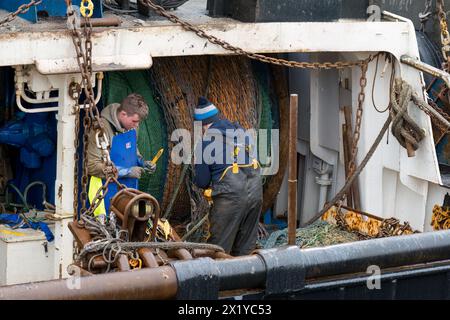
{"x":52,"y":8}
{"x":123,"y":154}
{"x":270,"y":221}
{"x":35,"y":160}
{"x":33,"y":134}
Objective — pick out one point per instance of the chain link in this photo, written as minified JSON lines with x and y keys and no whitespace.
{"x":22,"y":9}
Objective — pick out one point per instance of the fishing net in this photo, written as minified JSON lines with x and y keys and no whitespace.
{"x":251,"y":93}
{"x":318,"y":234}
{"x":228,"y":82}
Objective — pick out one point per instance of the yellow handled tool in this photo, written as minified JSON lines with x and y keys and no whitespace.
{"x":158,"y":155}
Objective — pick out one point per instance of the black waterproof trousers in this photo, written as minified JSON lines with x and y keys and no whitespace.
{"x":234,"y":217}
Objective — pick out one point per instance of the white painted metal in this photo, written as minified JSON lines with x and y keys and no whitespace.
{"x":133,"y":47}
{"x":64,"y":183}
{"x":23,"y":256}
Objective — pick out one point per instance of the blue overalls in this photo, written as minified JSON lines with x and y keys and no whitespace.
{"x":123,"y":154}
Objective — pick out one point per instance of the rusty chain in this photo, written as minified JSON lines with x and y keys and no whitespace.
{"x":254,"y":56}
{"x":436,"y":121}
{"x":22,"y":9}
{"x":389,"y":227}
{"x":74,"y":91}
{"x":359,"y":114}
{"x":440,"y":219}
{"x":92,"y":118}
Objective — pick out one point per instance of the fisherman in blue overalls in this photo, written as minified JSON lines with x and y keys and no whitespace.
{"x":120,"y":122}
{"x":231,"y":178}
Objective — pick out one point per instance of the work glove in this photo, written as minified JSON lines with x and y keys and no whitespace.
{"x":133,"y":172}
{"x":150,"y":167}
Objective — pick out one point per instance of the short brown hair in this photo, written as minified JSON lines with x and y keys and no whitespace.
{"x":134,"y":104}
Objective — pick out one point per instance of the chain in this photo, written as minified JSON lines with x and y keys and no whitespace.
{"x":359,"y":114}
{"x":92,"y":118}
{"x":74,"y":92}
{"x":445,"y":36}
{"x":254,"y":56}
{"x":436,"y":121}
{"x":441,"y":218}
{"x":22,"y":9}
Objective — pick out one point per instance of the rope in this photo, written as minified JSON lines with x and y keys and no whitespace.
{"x":404,"y":128}
{"x":195,"y":228}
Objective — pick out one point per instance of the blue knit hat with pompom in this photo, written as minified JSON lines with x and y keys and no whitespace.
{"x":206,"y":111}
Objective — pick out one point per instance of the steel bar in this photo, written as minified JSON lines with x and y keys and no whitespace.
{"x":292,"y":200}
{"x":181,"y":254}
{"x":419,"y":65}
{"x":104,"y":22}
{"x":155,"y":283}
{"x":148,"y":259}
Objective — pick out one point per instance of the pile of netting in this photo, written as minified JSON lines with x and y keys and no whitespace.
{"x":338,"y":225}
{"x":318,"y":234}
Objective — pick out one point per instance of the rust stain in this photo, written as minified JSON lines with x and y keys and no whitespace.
{"x":60,"y":191}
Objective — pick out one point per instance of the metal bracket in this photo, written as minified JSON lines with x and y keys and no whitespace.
{"x":285,"y":270}
{"x":197,"y":279}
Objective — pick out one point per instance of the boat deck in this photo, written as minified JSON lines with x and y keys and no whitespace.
{"x":193,"y":11}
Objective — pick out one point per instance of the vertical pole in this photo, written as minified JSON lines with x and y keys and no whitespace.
{"x":292,"y":186}
{"x":64,"y":183}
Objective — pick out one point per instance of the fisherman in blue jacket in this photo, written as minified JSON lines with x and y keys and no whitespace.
{"x":231,"y":176}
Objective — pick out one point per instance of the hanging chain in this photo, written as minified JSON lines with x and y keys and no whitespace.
{"x":254,"y":56}
{"x":359,"y":114}
{"x":445,"y":36}
{"x":74,"y":92}
{"x":22,"y":9}
{"x":92,"y":118}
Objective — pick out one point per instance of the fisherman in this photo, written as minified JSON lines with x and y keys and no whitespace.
{"x":231,"y":178}
{"x":120,"y":122}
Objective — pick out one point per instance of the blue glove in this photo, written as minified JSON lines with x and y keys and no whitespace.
{"x":150,"y":167}
{"x":133,"y":172}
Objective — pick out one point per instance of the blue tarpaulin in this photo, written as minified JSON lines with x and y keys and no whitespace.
{"x":15,"y":220}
